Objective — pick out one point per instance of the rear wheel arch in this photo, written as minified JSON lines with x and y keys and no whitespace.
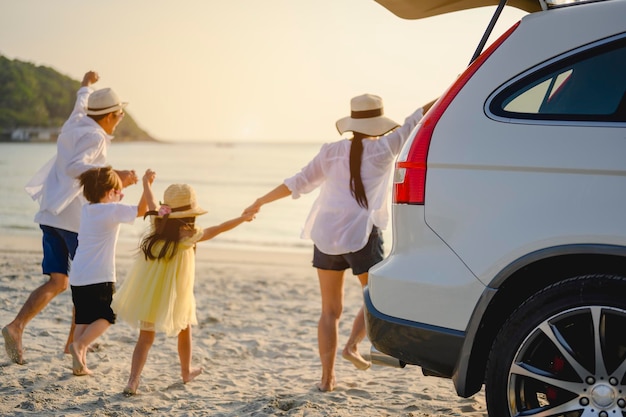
{"x":513,"y":286}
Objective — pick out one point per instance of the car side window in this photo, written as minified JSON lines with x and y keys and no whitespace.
{"x":586,"y":86}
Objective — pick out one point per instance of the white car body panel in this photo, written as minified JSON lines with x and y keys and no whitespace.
{"x":569,"y":165}
{"x":422,"y":272}
{"x":546,"y":162}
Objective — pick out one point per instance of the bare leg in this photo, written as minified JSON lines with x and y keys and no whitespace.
{"x":70,"y":336}
{"x":36,"y":302}
{"x":331,"y":288}
{"x":184,"y":354}
{"x":140,"y":355}
{"x":79,"y":362}
{"x":351,"y":351}
{"x":85,"y":335}
{"x":94,"y":347}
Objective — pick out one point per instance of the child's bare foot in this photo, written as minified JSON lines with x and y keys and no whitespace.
{"x":131,"y":386}
{"x":326,"y":386}
{"x":355,"y":357}
{"x":79,"y":368}
{"x":192,"y":374}
{"x":94,"y":347}
{"x":13,"y":345}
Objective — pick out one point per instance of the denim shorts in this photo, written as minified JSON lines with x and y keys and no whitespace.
{"x":360,"y":261}
{"x":93,"y":302}
{"x":59,"y":247}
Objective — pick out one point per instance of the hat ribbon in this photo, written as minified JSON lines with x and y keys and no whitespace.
{"x":166,"y":215}
{"x":103,"y":108}
{"x":366,"y":114}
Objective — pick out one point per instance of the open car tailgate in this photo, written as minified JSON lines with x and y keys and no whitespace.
{"x":419,"y":9}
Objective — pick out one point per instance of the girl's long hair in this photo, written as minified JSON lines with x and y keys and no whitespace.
{"x":356,"y":182}
{"x":168,"y":231}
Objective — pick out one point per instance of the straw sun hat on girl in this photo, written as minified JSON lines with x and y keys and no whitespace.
{"x":181,"y":200}
{"x":366,"y":117}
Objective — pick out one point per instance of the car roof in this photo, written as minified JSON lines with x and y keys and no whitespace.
{"x":419,"y":9}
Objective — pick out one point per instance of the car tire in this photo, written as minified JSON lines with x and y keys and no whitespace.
{"x":562,"y":352}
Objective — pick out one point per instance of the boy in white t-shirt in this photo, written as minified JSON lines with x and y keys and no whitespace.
{"x":92,"y":276}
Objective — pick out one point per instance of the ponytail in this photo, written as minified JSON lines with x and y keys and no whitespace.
{"x":357,"y":189}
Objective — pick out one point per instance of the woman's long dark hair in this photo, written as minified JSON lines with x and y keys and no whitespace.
{"x":356,"y":182}
{"x":168,"y":231}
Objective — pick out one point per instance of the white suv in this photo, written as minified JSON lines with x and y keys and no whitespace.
{"x":508,"y":264}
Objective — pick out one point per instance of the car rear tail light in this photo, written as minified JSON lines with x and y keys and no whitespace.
{"x":410,"y":173}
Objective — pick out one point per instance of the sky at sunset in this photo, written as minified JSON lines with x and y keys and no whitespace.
{"x":247,"y":70}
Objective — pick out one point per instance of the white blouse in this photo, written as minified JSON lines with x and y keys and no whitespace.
{"x":336,"y":222}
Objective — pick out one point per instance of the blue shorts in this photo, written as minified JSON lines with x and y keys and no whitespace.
{"x":360,"y":261}
{"x":93,"y":302}
{"x":59,"y":247}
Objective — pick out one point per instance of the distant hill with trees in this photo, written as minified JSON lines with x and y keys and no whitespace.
{"x":39,"y":97}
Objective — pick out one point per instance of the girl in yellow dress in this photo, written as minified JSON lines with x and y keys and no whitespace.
{"x":158,"y":292}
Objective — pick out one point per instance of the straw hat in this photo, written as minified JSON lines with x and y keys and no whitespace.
{"x":366,"y":117}
{"x":181,"y":199}
{"x":104,"y":101}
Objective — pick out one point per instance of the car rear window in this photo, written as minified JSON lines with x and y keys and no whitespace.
{"x":588,"y":85}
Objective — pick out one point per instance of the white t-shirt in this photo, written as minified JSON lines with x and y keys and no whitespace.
{"x":336,"y":223}
{"x":94,"y":261}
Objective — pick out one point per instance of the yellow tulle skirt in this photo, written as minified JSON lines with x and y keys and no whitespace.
{"x":157,"y":295}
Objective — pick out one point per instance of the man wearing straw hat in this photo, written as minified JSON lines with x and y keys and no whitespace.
{"x":82,"y":144}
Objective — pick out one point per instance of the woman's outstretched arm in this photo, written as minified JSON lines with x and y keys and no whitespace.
{"x":276,"y":194}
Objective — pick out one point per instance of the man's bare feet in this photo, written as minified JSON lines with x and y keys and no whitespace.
{"x":192,"y":374}
{"x":13,"y":345}
{"x":357,"y":360}
{"x":79,"y":368}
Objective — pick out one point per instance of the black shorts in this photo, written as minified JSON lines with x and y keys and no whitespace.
{"x":93,"y":302}
{"x":360,"y":261}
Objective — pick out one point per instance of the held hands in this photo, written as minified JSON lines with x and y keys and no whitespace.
{"x":128,"y":177}
{"x":149,"y":176}
{"x":252,"y":210}
{"x":248,"y":217}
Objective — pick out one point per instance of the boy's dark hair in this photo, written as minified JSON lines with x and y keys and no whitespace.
{"x":97,"y":182}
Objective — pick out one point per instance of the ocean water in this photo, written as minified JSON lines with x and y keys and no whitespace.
{"x":226,"y":177}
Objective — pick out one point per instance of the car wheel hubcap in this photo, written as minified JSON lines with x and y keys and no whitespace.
{"x":603,"y":396}
{"x":572,"y":364}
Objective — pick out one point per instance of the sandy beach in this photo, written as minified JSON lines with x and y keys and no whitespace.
{"x":256,"y":341}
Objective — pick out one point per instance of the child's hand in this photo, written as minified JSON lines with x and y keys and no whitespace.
{"x":149,"y":176}
{"x":248,"y":216}
{"x":253,"y":209}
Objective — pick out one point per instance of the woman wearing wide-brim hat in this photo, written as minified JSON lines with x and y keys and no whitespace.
{"x":346,"y":219}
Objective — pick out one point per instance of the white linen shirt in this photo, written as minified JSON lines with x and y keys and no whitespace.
{"x":82,"y":144}
{"x":336,"y":223}
{"x":94,"y":261}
